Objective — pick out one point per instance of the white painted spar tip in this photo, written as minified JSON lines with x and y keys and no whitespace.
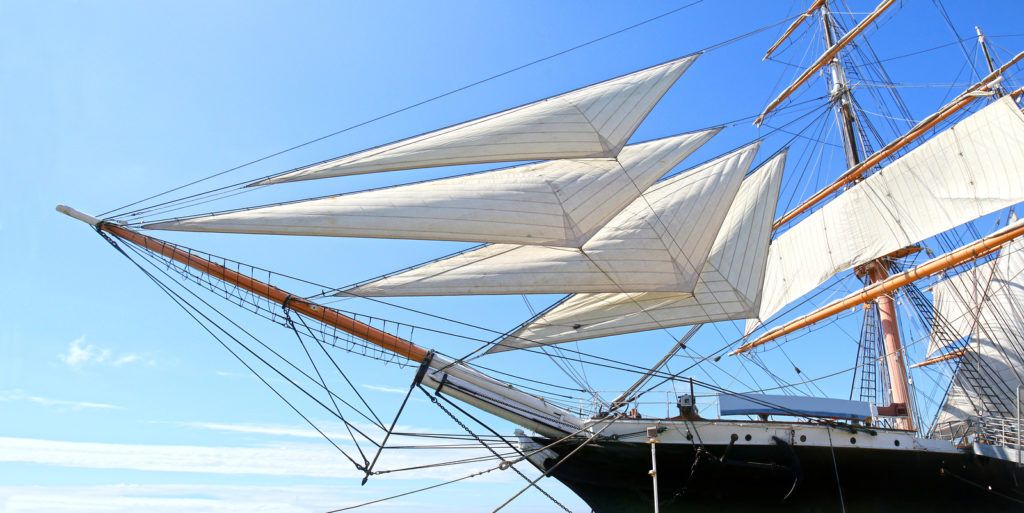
{"x":81,"y":216}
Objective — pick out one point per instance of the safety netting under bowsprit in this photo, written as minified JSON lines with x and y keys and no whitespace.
{"x":309,"y":327}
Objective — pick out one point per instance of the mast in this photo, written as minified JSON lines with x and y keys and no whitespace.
{"x":877,"y":270}
{"x":840,"y":94}
{"x":998,"y":89}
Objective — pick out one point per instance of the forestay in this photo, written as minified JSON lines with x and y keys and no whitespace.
{"x":595,"y":121}
{"x":965,"y":172}
{"x":559,"y":202}
{"x":658,"y":243}
{"x":729,"y":286}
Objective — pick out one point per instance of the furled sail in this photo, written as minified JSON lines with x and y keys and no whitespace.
{"x":963,"y":173}
{"x":659,"y":242}
{"x":558,"y":202}
{"x":729,"y":286}
{"x":591,"y":122}
{"x":990,"y":301}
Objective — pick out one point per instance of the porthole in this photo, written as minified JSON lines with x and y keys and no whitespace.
{"x":803,"y":438}
{"x":853,"y":440}
{"x":747,"y":438}
{"x":896,"y":443}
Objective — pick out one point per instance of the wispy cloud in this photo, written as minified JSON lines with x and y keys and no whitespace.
{"x":386,"y":389}
{"x":293,"y":460}
{"x":303,"y":498}
{"x":18,"y":395}
{"x":225,"y":374}
{"x":274,"y":430}
{"x":296,"y":459}
{"x":174,"y":498}
{"x":392,"y":390}
{"x":80,"y":354}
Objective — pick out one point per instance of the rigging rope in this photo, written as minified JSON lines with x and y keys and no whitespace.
{"x":434,"y":399}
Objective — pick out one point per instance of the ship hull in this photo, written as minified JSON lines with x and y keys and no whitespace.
{"x":613,"y":477}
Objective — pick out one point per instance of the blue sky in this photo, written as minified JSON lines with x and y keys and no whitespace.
{"x":113,"y":400}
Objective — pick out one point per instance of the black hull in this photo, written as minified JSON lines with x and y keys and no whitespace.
{"x":613,"y":477}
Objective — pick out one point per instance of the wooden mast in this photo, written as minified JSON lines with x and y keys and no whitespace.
{"x":998,"y":89}
{"x":899,"y":390}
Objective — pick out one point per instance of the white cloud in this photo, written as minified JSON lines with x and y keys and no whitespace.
{"x":259,"y":429}
{"x":295,"y":459}
{"x":80,"y":354}
{"x":18,"y":395}
{"x":126,"y":359}
{"x":391,"y":390}
{"x":386,"y":389}
{"x":175,"y":498}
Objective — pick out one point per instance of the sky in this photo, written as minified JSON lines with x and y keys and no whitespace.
{"x":112,"y":399}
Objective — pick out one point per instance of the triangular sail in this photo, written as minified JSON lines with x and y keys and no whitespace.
{"x":657,"y":243}
{"x":990,"y":300}
{"x":559,"y":202}
{"x":592,"y":122}
{"x":963,"y":173}
{"x":729,"y":286}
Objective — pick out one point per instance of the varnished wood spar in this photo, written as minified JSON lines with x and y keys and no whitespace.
{"x":312,"y":310}
{"x":941,"y":358}
{"x":825,"y":57}
{"x":926,"y":124}
{"x":796,"y":23}
{"x":967,"y":253}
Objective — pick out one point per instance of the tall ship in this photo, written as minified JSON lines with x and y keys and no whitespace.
{"x":912,"y":252}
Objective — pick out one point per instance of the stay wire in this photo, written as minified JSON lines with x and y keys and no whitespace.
{"x":561,"y":460}
{"x":181,"y":302}
{"x":337,"y":409}
{"x":835,"y":466}
{"x":475,"y":474}
{"x":249,"y":350}
{"x":341,"y":372}
{"x":945,"y":16}
{"x":434,"y":399}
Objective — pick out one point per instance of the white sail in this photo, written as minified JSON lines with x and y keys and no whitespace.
{"x":558,"y":203}
{"x":991,"y":299}
{"x":729,"y":286}
{"x":963,"y":173}
{"x":595,"y":121}
{"x":958,"y":301}
{"x":657,"y":243}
